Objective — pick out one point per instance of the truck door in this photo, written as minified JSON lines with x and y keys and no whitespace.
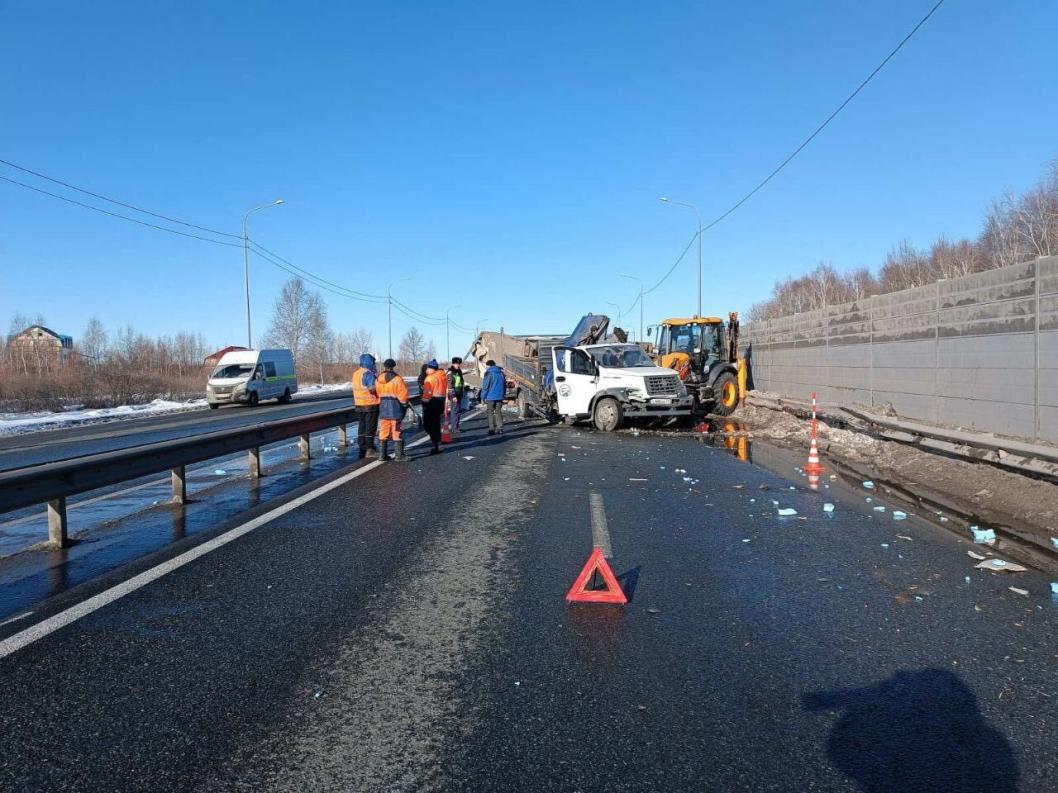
{"x":575,"y":380}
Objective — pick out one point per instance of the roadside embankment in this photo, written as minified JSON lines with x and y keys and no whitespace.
{"x":1022,"y":509}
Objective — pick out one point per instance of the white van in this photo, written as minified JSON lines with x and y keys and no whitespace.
{"x":249,"y":376}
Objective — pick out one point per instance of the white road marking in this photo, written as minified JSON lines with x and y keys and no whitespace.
{"x":600,"y":533}
{"x":19,"y":640}
{"x":16,"y":619}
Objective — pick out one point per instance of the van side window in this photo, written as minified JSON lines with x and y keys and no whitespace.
{"x":560,"y":361}
{"x":270,"y":369}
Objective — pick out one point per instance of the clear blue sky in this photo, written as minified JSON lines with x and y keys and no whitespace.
{"x":508,"y":157}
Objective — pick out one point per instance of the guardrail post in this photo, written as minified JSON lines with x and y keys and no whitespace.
{"x":306,"y":449}
{"x":255,"y":462}
{"x":57,"y":528}
{"x":179,"y":485}
{"x":343,"y":435}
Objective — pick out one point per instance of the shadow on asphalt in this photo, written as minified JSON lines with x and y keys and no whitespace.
{"x":917,"y":731}
{"x":628,"y":581}
{"x":476,"y":441}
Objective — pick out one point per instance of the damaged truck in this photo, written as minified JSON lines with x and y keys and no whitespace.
{"x":592,"y":376}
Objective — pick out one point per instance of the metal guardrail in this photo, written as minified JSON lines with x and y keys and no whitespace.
{"x":52,"y":483}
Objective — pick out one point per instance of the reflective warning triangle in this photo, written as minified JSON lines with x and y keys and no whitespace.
{"x":579,"y":592}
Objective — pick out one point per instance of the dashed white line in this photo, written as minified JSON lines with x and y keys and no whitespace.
{"x":600,"y":532}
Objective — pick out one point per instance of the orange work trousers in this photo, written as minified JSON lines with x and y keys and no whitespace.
{"x":389,"y":428}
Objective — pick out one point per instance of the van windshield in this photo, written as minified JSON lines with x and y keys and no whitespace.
{"x":621,"y":355}
{"x":232,"y":370}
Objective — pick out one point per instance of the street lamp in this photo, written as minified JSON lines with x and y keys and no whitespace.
{"x":611,"y":303}
{"x":668,"y":200}
{"x":448,"y":340}
{"x":640,"y":282}
{"x":477,"y":326}
{"x":246,"y":264}
{"x":389,"y":305}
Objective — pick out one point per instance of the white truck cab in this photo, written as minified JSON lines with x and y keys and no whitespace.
{"x":248,"y":376}
{"x":608,"y":383}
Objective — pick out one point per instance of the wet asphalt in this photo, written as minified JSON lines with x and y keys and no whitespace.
{"x":408,"y":631}
{"x":36,"y":448}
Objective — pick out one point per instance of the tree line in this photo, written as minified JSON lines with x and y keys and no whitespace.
{"x":125,"y":367}
{"x":1016,"y":228}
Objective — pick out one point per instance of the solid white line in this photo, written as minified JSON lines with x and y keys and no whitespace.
{"x":600,"y":532}
{"x":84,"y":608}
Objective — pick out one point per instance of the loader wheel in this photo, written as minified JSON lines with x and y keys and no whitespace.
{"x":726,"y":389}
{"x":608,"y":414}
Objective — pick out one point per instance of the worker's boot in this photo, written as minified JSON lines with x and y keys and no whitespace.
{"x":361,"y":454}
{"x":371,"y":453}
{"x":384,"y":454}
{"x":400,"y":456}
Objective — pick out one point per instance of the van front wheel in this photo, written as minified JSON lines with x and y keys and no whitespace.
{"x":254,"y":399}
{"x":608,"y":414}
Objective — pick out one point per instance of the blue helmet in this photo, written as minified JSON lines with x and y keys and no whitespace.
{"x":367,"y":361}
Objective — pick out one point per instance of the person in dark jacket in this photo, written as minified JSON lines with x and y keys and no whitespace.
{"x":493,"y":393}
{"x":457,"y":387}
{"x":434,"y":393}
{"x":365,"y":399}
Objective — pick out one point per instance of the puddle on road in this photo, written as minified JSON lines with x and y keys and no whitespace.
{"x":113,"y":528}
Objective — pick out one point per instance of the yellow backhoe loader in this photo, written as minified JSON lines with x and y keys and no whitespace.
{"x":704,"y":352}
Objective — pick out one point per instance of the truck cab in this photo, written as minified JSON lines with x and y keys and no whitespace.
{"x":610,"y":383}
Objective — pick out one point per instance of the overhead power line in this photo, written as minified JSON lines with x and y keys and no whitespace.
{"x":826,"y":122}
{"x":102,"y":197}
{"x":117,"y":214}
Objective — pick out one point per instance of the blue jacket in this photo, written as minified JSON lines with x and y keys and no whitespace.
{"x":494,"y":385}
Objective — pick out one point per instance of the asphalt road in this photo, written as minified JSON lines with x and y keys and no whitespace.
{"x":408,"y":631}
{"x":35,"y":448}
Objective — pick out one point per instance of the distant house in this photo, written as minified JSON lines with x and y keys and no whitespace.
{"x":211,"y":360}
{"x":39,"y":347}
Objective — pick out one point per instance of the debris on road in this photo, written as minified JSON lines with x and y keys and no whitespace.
{"x":885,"y":545}
{"x":635,"y":479}
{"x":468,"y":457}
{"x":787,"y":512}
{"x":1000,"y":566}
{"x":828,"y":507}
{"x":983,"y":536}
{"x":898,"y":515}
{"x":220,"y":472}
{"x":1014,"y":589}
{"x":869,"y":484}
{"x":973,"y":555}
{"x":1054,"y":587}
{"x":904,"y":537}
{"x":879,"y":509}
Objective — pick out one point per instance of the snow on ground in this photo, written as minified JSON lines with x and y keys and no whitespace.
{"x":20,"y":423}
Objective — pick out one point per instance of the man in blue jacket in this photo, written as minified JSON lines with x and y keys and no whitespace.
{"x":493,"y":393}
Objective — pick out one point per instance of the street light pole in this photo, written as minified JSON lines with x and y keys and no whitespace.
{"x":620,"y":318}
{"x":698,"y":216}
{"x":246,"y":264}
{"x":477,"y":326}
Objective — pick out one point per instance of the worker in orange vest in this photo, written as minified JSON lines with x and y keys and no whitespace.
{"x":434,"y":394}
{"x":393,"y":396}
{"x":365,"y":398}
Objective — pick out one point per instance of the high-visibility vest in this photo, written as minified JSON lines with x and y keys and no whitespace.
{"x":362,"y":395}
{"x":393,"y":392}
{"x":435,"y":386}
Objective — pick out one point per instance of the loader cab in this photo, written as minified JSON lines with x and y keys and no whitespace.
{"x":691,"y":346}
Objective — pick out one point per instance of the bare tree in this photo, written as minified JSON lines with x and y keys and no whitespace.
{"x":413,"y":346}
{"x":94,"y":341}
{"x":318,"y":338}
{"x":290,"y":318}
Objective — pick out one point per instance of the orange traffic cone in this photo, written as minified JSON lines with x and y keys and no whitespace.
{"x":813,"y":468}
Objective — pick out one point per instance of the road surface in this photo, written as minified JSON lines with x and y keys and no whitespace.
{"x":407,"y":630}
{"x":47,"y":446}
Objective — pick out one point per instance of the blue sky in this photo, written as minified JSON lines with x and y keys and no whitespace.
{"x":507,"y":157}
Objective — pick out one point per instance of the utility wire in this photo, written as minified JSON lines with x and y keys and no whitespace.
{"x":115,"y":201}
{"x":116,"y":214}
{"x":829,"y":118}
{"x":320,"y":278}
{"x":326,"y":286}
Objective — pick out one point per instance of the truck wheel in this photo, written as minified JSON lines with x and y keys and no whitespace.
{"x":286,"y":396}
{"x":726,"y":390}
{"x":608,"y":414}
{"x":254,"y":399}
{"x":523,"y":406}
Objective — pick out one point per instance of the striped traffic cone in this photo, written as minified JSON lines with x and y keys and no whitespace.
{"x":813,"y":468}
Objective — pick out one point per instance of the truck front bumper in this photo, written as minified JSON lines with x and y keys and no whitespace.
{"x":677,"y":407}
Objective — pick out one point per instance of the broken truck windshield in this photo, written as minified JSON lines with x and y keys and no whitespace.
{"x":233,"y":370}
{"x":621,"y":356}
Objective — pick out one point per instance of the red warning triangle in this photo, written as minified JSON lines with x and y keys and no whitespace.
{"x":579,"y":592}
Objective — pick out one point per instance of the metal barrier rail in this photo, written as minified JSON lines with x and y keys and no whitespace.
{"x":53,"y":483}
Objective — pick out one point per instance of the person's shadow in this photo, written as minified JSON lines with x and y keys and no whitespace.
{"x":917,"y":731}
